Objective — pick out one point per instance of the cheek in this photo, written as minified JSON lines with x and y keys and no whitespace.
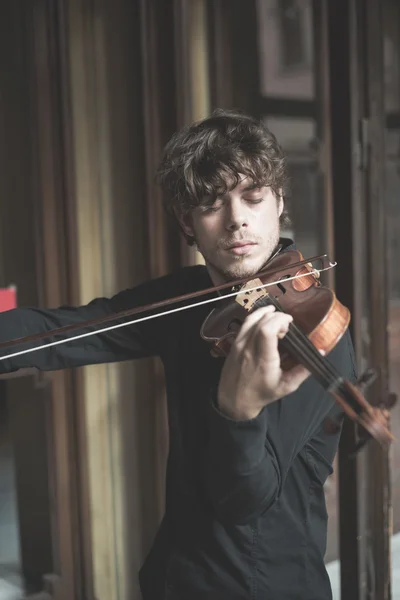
{"x":205,"y":229}
{"x":268,"y":220}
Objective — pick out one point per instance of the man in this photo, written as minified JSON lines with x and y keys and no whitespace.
{"x":245,"y":509}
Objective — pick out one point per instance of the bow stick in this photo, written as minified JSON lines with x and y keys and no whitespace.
{"x":326,"y":265}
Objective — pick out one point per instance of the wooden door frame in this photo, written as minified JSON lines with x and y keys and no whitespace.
{"x":355,"y":65}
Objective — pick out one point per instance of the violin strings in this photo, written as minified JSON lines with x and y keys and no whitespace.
{"x":321,"y":368}
{"x":312,"y":358}
{"x":302,"y":344}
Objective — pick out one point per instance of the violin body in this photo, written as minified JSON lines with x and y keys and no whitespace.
{"x":319,"y":322}
{"x":315,"y":308}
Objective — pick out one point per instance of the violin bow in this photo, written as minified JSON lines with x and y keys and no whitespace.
{"x":326,"y":265}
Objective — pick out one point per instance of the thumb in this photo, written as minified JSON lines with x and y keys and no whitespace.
{"x":293,"y":378}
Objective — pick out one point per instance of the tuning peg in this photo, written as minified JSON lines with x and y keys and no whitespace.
{"x":368,"y":377}
{"x":391,"y":401}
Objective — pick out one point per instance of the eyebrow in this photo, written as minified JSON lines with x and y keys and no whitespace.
{"x":253,"y":186}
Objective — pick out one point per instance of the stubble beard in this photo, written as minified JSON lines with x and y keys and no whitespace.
{"x":242,"y":266}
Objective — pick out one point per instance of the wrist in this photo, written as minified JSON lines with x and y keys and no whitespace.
{"x":238,"y":411}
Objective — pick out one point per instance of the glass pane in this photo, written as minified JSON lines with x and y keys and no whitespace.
{"x":286,"y":49}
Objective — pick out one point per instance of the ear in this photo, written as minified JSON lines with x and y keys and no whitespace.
{"x":185,"y":221}
{"x":281,"y":202}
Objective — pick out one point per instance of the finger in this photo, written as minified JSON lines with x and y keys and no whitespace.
{"x":269,"y":330}
{"x":252,"y":319}
{"x":260,"y":318}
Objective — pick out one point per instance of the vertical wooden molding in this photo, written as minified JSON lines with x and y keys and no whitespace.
{"x":380,"y":518}
{"x":199,"y":60}
{"x":220,"y":55}
{"x":324,"y":129}
{"x":348,"y":223}
{"x":200,"y":77}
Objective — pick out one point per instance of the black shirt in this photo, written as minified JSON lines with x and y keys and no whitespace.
{"x":245,"y":508}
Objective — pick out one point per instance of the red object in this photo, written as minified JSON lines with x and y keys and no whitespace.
{"x":8,"y":298}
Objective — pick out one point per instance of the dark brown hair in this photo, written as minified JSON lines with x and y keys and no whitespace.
{"x":205,"y":160}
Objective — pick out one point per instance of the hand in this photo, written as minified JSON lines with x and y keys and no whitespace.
{"x":252,"y":376}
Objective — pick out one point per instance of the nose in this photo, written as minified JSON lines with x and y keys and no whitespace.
{"x":235,"y":215}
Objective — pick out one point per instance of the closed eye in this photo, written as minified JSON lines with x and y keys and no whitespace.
{"x":211,"y":207}
{"x":254,"y":200}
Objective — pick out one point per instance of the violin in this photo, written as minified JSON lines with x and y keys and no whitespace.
{"x":292,"y":285}
{"x":319,"y":322}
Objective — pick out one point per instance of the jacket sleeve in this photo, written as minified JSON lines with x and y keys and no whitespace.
{"x":247,"y":462}
{"x":124,"y":343}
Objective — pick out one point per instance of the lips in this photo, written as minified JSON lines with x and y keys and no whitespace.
{"x":242,"y":247}
{"x":241,"y":244}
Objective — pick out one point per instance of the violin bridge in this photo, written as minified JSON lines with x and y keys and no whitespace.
{"x":250,"y":294}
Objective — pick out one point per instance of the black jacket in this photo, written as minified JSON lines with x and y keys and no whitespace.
{"x":245,"y":508}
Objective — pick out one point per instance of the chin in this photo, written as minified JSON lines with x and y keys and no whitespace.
{"x":240,"y":269}
{"x":237,"y":268}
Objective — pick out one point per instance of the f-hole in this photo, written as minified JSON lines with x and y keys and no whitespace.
{"x":282,"y":288}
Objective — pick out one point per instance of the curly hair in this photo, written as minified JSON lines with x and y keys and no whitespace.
{"x":206,"y":159}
